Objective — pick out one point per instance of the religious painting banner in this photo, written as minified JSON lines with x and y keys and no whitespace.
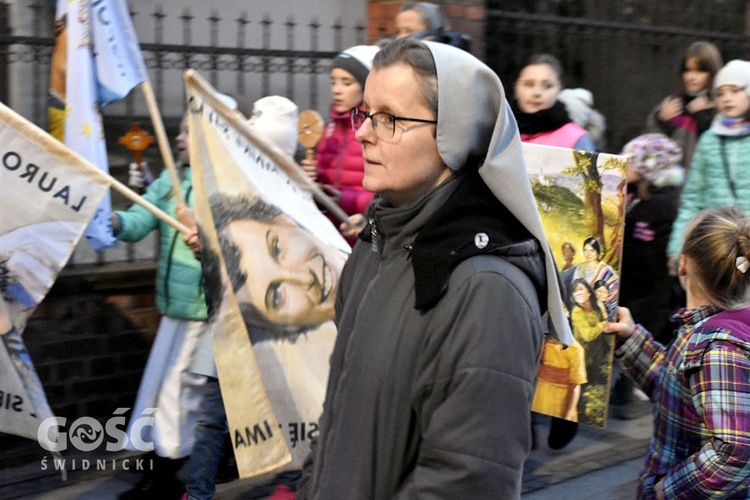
{"x":581,"y":200}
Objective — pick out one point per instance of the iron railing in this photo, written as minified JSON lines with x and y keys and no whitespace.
{"x":290,"y":58}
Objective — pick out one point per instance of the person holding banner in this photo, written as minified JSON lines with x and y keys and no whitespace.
{"x":167,"y":383}
{"x":338,"y":165}
{"x":274,"y":119}
{"x":442,"y":306}
{"x":700,"y":383}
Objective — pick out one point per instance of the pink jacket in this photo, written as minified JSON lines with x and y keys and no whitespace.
{"x":566,"y":136}
{"x":340,"y":164}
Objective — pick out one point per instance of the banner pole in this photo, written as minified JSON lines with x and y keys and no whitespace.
{"x":42,"y":139}
{"x":161,"y":137}
{"x":156,"y":211}
{"x":293,"y":170}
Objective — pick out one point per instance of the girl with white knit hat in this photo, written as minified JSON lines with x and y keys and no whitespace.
{"x":720,"y":173}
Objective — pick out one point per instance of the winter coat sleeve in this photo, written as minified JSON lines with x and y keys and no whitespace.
{"x":721,"y":394}
{"x":691,"y":201}
{"x":136,"y":222}
{"x":473,"y":400}
{"x":643,"y":358}
{"x":654,"y":125}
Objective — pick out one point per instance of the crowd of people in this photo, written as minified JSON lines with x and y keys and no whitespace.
{"x":451,"y":293}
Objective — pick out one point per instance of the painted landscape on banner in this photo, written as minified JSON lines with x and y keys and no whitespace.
{"x":581,"y":201}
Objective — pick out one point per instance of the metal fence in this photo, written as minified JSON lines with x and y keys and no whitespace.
{"x":627,"y":52}
{"x":288,"y":57}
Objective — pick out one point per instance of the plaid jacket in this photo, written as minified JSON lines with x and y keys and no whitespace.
{"x":701,"y":387}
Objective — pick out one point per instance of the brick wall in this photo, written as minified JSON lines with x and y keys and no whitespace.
{"x":90,"y":337}
{"x":89,"y":340}
{"x":465,"y":17}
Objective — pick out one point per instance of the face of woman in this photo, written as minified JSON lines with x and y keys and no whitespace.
{"x":183,"y":153}
{"x":346,"y":90}
{"x":537,"y":88}
{"x":408,"y":23}
{"x":590,"y":254}
{"x":291,"y":280}
{"x":406,"y":167}
{"x":581,"y":294}
{"x":694,"y":79}
{"x":733,"y":102}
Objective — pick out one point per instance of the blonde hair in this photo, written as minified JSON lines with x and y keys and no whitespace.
{"x":718,"y":243}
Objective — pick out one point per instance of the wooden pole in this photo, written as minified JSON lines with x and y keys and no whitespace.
{"x":158,"y":213}
{"x":287,"y":164}
{"x":62,"y":153}
{"x":161,"y":138}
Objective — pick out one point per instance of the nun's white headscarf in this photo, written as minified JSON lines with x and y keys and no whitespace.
{"x":475,"y":121}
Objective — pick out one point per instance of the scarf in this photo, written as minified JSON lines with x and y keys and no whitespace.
{"x":545,"y":120}
{"x":731,"y":127}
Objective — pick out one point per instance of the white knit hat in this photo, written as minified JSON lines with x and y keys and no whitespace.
{"x":735,"y":72}
{"x":275,"y":118}
{"x":357,"y":60}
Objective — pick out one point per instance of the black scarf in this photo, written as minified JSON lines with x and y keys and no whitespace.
{"x":542,"y":121}
{"x":448,"y":238}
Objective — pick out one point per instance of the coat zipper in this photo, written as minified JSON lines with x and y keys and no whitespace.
{"x":374,"y":236}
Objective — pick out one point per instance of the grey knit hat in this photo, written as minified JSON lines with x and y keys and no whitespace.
{"x":357,"y":60}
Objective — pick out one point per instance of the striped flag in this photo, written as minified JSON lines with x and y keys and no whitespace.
{"x":97,"y":57}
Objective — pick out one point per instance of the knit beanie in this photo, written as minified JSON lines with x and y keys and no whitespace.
{"x":275,"y":118}
{"x":735,"y":72}
{"x":656,"y":158}
{"x":357,"y":60}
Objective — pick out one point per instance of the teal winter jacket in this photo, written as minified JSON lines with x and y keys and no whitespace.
{"x":718,"y":163}
{"x":179,"y":285}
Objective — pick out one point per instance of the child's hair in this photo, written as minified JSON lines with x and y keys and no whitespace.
{"x":594,"y":243}
{"x":718,"y":243}
{"x":599,"y":284}
{"x":709,"y":60}
{"x":547,"y":59}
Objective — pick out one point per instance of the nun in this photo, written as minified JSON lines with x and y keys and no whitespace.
{"x":444,"y":302}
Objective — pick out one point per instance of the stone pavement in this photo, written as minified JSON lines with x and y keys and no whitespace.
{"x":592,"y":455}
{"x":598,"y":463}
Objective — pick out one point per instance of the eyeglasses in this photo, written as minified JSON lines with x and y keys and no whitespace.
{"x":384,"y":124}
